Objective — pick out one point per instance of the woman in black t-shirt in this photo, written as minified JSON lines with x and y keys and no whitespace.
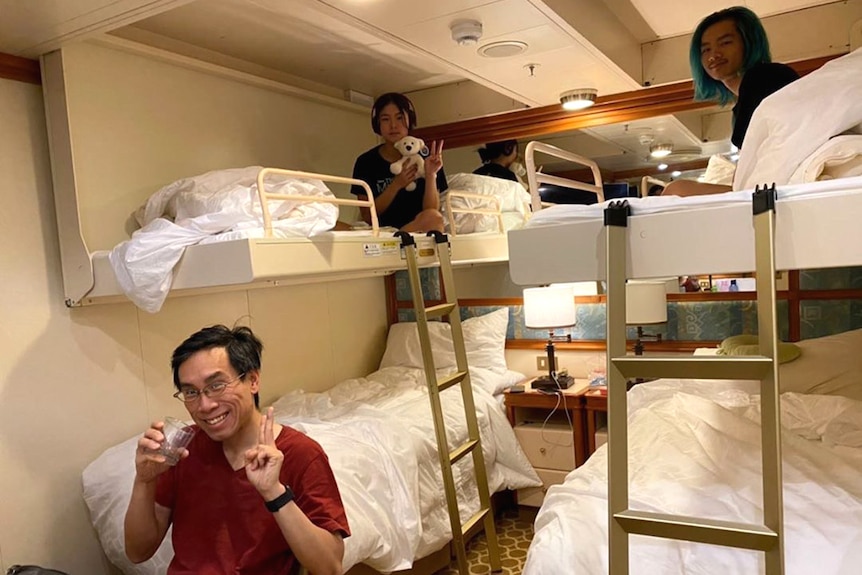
{"x":497,"y":159}
{"x":730,"y":61}
{"x":392,"y":118}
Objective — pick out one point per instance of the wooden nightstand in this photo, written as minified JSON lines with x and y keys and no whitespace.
{"x":554,"y":446}
{"x":595,"y":402}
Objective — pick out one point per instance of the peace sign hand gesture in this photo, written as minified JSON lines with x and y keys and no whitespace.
{"x":263,"y":462}
{"x":434,"y":161}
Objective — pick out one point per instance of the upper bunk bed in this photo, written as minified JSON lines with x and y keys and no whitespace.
{"x":810,"y":152}
{"x":104,"y":166}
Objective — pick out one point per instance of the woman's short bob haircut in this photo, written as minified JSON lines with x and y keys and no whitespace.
{"x":754,"y":41}
{"x":495,"y":150}
{"x":402,"y":102}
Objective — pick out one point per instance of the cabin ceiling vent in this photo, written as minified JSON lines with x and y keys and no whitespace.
{"x":503,"y":49}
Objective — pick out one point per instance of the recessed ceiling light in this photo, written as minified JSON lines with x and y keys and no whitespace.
{"x":662,"y":167}
{"x":578,"y":99}
{"x":660,"y":150}
{"x":676,"y":173}
{"x":503,"y":49}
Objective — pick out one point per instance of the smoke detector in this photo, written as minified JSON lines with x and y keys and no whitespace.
{"x":466,"y":32}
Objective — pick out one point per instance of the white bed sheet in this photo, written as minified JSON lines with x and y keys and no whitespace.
{"x":514,"y":204}
{"x":378,"y":434}
{"x":695,"y":450}
{"x":216,"y":206}
{"x":562,"y":213}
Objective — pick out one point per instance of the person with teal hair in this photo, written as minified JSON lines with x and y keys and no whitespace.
{"x":731,"y":62}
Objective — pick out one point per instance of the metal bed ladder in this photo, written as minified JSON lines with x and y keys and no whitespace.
{"x":622,"y":521}
{"x":461,"y":377}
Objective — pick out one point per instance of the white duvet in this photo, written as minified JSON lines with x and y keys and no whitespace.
{"x":695,"y":450}
{"x":378,"y":434}
{"x":216,"y":206}
{"x":513,"y":198}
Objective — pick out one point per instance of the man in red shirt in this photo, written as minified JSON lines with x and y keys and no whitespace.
{"x":248,"y":496}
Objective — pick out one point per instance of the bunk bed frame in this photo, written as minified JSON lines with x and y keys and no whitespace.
{"x":230,"y":265}
{"x":795,"y":233}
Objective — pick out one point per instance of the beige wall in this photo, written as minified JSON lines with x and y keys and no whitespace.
{"x":139,"y":121}
{"x":74,"y":382}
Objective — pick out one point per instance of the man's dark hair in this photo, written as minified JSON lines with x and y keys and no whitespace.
{"x":402,"y":102}
{"x":242,"y":346}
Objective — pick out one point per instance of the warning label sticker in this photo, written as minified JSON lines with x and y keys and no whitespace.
{"x":378,"y":249}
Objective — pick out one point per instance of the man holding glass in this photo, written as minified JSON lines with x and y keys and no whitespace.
{"x":248,"y":495}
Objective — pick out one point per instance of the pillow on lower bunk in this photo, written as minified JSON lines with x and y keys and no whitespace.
{"x":748,"y":345}
{"x":830,"y":365}
{"x":484,"y":341}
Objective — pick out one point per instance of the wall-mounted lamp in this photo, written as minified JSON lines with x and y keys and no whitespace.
{"x":578,"y":99}
{"x":660,"y":150}
{"x":550,"y":308}
{"x":646,"y":304}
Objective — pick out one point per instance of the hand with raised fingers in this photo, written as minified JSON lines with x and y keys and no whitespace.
{"x":434,"y":161}
{"x":263,"y":462}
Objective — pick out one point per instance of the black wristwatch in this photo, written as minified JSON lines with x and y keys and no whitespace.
{"x":281,"y":500}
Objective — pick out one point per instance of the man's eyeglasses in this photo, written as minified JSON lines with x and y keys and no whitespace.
{"x":212,"y":391}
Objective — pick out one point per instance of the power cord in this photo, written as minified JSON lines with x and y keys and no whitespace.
{"x":561,"y":398}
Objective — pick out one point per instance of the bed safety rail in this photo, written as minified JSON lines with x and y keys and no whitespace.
{"x":266,"y":196}
{"x":495,"y":212}
{"x":623,"y":521}
{"x":535,"y":178}
{"x":649,"y":181}
{"x":461,"y":377}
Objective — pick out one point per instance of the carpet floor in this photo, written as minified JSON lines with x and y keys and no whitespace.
{"x":514,"y":533}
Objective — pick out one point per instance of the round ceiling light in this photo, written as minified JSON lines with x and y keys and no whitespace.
{"x":661,"y":150}
{"x":578,"y":99}
{"x":503,"y":49}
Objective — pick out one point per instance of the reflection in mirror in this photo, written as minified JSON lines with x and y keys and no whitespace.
{"x":623,"y":151}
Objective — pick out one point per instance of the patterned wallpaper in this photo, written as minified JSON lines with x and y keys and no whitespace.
{"x":687,"y":321}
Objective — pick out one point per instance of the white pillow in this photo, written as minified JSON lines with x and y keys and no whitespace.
{"x":484,"y":341}
{"x":792,"y":123}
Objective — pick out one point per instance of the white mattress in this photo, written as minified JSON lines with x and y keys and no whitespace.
{"x":695,"y":450}
{"x":563,"y":213}
{"x":672,"y":236}
{"x":378,"y":435}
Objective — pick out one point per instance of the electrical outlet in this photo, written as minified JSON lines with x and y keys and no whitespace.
{"x":542,"y":362}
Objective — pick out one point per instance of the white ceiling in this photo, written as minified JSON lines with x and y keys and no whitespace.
{"x":374,"y":46}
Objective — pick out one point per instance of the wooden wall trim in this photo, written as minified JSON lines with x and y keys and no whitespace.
{"x":20,"y":69}
{"x":611,"y":109}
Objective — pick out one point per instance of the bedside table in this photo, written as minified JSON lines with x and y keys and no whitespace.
{"x":595,"y":402}
{"x":552,"y":447}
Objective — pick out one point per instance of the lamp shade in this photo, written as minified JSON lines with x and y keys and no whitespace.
{"x":549,"y":307}
{"x":646,"y":303}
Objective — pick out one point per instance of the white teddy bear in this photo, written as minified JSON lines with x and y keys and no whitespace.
{"x":411,"y":149}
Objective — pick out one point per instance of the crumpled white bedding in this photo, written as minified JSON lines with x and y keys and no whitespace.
{"x":216,"y":206}
{"x":513,"y":197}
{"x":839,"y":157}
{"x":378,"y":434}
{"x":695,"y":450}
{"x":791,"y":124}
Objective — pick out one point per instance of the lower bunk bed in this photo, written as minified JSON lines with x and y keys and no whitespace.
{"x":378,"y":434}
{"x":694,"y":449}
